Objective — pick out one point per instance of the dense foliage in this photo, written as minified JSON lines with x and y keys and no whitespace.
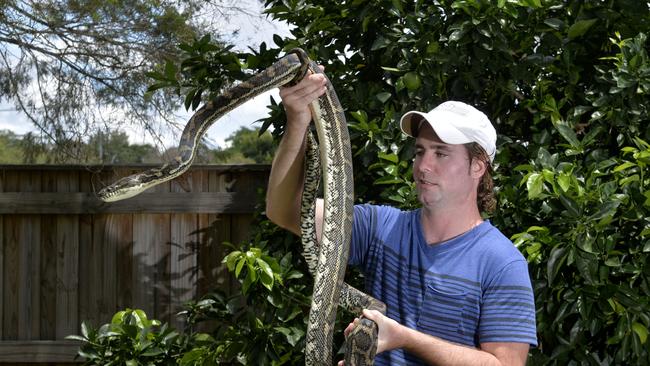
{"x":131,"y":339}
{"x":566,"y":83}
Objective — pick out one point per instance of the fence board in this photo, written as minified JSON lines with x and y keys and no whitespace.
{"x":182,"y":263}
{"x":90,"y":265}
{"x":108,"y":267}
{"x":11,"y":278}
{"x":28,"y":288}
{"x":66,"y":257}
{"x":87,"y":296}
{"x":48,"y":272}
{"x":183,"y":250}
{"x":48,"y":265}
{"x":148,"y":259}
{"x":81,"y":203}
{"x":67,"y":275}
{"x":38,"y":351}
{"x":122,"y":230}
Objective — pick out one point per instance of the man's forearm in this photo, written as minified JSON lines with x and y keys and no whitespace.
{"x":285,"y":181}
{"x":436,"y":351}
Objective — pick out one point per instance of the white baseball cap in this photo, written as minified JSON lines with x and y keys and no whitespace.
{"x":456,"y":123}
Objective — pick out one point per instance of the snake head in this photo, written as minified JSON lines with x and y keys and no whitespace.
{"x":124,"y":188}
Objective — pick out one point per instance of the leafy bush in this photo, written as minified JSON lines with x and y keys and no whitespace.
{"x":130,"y":339}
{"x":566,"y":84}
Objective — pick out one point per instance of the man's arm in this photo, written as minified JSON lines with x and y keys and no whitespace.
{"x":284,"y":189}
{"x":435,"y":351}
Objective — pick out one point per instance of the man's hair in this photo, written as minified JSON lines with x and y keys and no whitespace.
{"x":485,"y":192}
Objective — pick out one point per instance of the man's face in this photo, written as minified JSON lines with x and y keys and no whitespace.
{"x":442,"y":172}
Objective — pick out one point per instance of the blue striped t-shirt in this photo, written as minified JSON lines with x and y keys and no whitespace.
{"x":470,"y":289}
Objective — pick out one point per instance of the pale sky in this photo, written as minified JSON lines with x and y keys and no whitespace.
{"x":252,"y":32}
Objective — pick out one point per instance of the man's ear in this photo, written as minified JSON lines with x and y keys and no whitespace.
{"x":478,"y":168}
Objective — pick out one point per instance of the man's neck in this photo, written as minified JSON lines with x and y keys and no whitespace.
{"x":441,"y":225}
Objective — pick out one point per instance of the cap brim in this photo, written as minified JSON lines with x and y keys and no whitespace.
{"x":445,"y":131}
{"x":406,"y":122}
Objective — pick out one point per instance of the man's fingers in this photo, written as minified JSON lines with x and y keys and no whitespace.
{"x":371,"y":314}
{"x":350,"y":327}
{"x":306,"y":85}
{"x":305,"y":91}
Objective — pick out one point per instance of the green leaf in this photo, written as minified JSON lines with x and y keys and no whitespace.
{"x":293,"y":334}
{"x":267,"y":281}
{"x":231,"y":259}
{"x":360,"y":116}
{"x":536,"y":228}
{"x":389,"y":157}
{"x":76,"y":338}
{"x":279,"y":41}
{"x":293,"y":274}
{"x":265,"y":267}
{"x":580,"y":27}
{"x":613,"y":262}
{"x":586,"y":243}
{"x":569,"y":135}
{"x":624,"y":166}
{"x":388,"y":180}
{"x":587,"y":264}
{"x":564,"y":181}
{"x":85,"y":330}
{"x":189,"y":97}
{"x":240,"y":265}
{"x":572,"y":207}
{"x":607,"y":209}
{"x":379,"y":43}
{"x":170,"y":70}
{"x":640,"y":331}
{"x":557,"y":256}
{"x":535,"y":185}
{"x":554,"y":23}
{"x":533,"y":3}
{"x":397,"y":7}
{"x":252,"y":273}
{"x":384,"y":96}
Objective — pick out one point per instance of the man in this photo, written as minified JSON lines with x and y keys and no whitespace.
{"x":457,"y":291}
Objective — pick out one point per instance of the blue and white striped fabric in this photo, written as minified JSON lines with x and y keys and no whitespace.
{"x":471,"y":289}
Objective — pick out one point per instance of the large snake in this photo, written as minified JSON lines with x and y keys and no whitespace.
{"x":335,"y":157}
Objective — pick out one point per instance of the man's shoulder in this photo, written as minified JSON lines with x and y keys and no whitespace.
{"x":383,"y":218}
{"x":497,"y":246}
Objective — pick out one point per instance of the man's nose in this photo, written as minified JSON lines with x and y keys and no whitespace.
{"x":427,"y":162}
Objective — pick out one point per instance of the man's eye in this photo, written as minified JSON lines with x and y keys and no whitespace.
{"x":441,"y":155}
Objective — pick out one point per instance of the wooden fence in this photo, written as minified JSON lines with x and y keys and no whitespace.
{"x":66,"y":257}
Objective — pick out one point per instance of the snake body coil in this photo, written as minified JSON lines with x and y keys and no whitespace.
{"x":328,"y":261}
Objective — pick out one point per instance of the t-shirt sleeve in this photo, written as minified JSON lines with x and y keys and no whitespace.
{"x":361,"y":234}
{"x":370,"y":225}
{"x":508,"y":310}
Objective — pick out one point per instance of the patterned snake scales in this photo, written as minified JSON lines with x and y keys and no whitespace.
{"x":328,"y":261}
